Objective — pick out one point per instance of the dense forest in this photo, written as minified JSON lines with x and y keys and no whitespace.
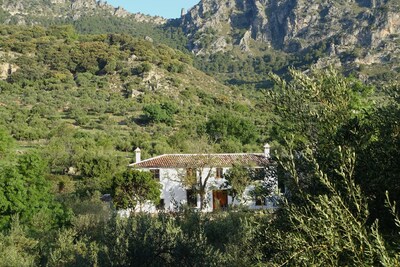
{"x":74,"y":106}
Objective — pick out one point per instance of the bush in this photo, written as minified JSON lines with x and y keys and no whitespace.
{"x":161,"y":113}
{"x":224,"y":126}
{"x":331,"y":229}
{"x":16,"y":248}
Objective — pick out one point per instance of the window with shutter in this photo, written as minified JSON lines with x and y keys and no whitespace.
{"x":219,"y":173}
{"x":191,"y":197}
{"x":156,"y":174}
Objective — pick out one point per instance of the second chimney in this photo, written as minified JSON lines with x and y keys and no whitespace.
{"x":137,"y":154}
{"x":267,"y":149}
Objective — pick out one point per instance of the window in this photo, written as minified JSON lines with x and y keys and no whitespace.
{"x":258,"y":173}
{"x":156,"y":174}
{"x":161,"y":205}
{"x":219,"y":173}
{"x":260,"y":201}
{"x":191,"y":197}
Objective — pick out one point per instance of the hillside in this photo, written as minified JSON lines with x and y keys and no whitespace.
{"x":90,"y":16}
{"x":116,"y":92}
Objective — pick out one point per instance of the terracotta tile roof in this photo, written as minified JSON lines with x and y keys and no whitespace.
{"x":203,"y":160}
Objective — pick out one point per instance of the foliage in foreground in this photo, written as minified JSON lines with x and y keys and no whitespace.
{"x":187,"y":239}
{"x":323,"y":110}
{"x":332,"y":229}
{"x":328,"y":230}
{"x":329,"y":130}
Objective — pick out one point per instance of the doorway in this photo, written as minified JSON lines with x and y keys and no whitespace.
{"x":220,"y":199}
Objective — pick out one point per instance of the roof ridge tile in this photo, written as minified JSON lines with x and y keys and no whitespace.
{"x":185,"y":160}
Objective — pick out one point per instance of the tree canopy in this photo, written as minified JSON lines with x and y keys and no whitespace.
{"x":133,"y":188}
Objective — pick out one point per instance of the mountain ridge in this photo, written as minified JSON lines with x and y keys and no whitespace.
{"x":69,"y":9}
{"x":361,"y":37}
{"x":292,"y":25}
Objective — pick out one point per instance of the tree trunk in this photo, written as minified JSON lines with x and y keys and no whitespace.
{"x":202,"y":194}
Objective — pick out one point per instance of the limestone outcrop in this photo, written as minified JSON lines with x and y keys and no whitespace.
{"x":294,"y":25}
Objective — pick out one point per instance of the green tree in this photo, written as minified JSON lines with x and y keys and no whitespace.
{"x":71,"y":249}
{"x":311,"y":112}
{"x":161,"y":112}
{"x":314,"y":107}
{"x":322,"y":116}
{"x":99,"y":168}
{"x":238,"y":178}
{"x":7,"y":143}
{"x":133,"y":188}
{"x":16,"y":247}
{"x":161,"y":240}
{"x":24,"y":191}
{"x":331,"y":229}
{"x":225,"y":125}
{"x":376,"y":140}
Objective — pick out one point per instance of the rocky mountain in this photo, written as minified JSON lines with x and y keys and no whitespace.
{"x":293,"y":25}
{"x":91,"y":17}
{"x":270,"y":35}
{"x":362,"y":31}
{"x":35,"y":11}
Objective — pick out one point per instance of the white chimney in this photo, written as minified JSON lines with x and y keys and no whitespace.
{"x":267,"y":149}
{"x":137,"y":153}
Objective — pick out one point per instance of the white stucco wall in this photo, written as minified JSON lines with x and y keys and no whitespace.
{"x":174,"y":192}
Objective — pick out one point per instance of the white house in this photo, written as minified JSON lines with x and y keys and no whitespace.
{"x":174,"y":170}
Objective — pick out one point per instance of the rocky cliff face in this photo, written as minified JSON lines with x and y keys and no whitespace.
{"x":31,"y":12}
{"x":294,"y":25}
